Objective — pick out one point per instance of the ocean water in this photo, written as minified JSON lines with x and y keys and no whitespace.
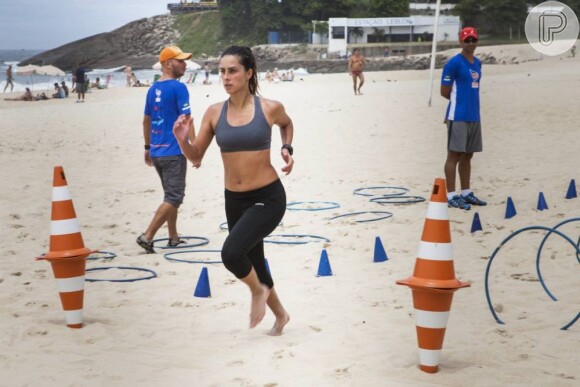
{"x":44,"y":83}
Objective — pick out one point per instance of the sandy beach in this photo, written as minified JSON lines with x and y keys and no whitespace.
{"x":355,"y":328}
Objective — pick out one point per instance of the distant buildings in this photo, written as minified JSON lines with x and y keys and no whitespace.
{"x":343,"y":31}
{"x":192,"y":6}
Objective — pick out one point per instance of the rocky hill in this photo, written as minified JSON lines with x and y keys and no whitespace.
{"x":137,"y":43}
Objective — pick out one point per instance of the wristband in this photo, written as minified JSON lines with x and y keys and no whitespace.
{"x":289,"y":148}
{"x":147,"y":147}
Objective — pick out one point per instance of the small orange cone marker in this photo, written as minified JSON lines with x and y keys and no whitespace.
{"x":67,"y":252}
{"x":433,"y":281}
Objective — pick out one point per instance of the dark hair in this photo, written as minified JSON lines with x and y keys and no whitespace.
{"x":247,"y":60}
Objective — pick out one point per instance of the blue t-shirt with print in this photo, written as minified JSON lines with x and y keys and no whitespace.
{"x":166,"y":100}
{"x":464,"y":78}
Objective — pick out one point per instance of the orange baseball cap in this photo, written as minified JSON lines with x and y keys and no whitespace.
{"x":468,"y":32}
{"x":173,"y":52}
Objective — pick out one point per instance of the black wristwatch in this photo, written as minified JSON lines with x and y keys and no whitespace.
{"x":289,"y":148}
{"x":147,"y":147}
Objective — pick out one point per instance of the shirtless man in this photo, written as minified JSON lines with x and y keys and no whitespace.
{"x":355,"y":68}
{"x":9,"y":79}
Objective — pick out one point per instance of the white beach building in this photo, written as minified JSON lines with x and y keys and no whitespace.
{"x":344,"y":31}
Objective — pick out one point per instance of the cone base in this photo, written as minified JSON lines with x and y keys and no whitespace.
{"x":433,"y":284}
{"x":429,"y":369}
{"x":68,"y":253}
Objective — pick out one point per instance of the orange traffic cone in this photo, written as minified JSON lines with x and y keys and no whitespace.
{"x":433,"y":281}
{"x":67,"y":252}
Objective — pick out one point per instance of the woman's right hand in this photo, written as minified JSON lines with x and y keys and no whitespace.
{"x":181,"y":127}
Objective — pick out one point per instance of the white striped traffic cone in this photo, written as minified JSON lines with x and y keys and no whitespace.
{"x":67,"y":253}
{"x":70,"y":278}
{"x":433,"y":281}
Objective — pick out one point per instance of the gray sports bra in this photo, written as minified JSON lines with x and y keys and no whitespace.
{"x":256,"y":135}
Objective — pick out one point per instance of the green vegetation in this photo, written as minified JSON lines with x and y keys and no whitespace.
{"x":200,"y":32}
{"x":249,"y":21}
{"x":496,"y":18}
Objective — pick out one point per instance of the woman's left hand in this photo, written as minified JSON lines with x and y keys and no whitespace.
{"x":289,"y":161}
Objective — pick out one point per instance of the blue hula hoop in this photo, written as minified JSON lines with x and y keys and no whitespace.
{"x":169,"y":257}
{"x":487,"y":269}
{"x":540,"y":253}
{"x":294,"y":236}
{"x":330,"y":206}
{"x":399,"y":199}
{"x":388,"y":215}
{"x":153,"y":274}
{"x":107,"y":255}
{"x":358,"y":191}
{"x":203,"y":241}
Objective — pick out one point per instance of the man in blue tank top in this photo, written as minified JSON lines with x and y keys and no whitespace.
{"x":167,"y":99}
{"x":460,"y":85}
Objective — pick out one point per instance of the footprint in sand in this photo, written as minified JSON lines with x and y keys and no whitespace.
{"x":235,"y":363}
{"x":224,"y":305}
{"x":281,"y":354}
{"x":315,"y":329}
{"x":341,"y":373}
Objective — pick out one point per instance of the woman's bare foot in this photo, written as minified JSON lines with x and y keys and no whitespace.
{"x":259,"y":305}
{"x":279,"y":325}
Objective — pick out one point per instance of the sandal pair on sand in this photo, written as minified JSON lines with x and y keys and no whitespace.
{"x":148,"y":245}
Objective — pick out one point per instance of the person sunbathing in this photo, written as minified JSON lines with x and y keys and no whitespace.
{"x":26,"y":97}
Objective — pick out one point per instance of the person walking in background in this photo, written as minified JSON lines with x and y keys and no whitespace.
{"x":79,"y":79}
{"x":166,"y":100}
{"x":206,"y":81}
{"x":9,"y":79}
{"x":460,"y":85}
{"x":128,"y":75}
{"x":255,"y":200}
{"x":356,"y":63}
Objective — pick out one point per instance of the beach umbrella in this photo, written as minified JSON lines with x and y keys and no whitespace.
{"x":30,"y":70}
{"x":190,"y":65}
{"x":50,"y":70}
{"x":27,"y":70}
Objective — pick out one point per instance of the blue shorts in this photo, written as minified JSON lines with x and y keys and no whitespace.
{"x":172,"y":171}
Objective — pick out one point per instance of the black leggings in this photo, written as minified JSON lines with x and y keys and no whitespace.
{"x":252,"y":216}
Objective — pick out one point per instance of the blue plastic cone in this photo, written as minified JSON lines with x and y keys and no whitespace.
{"x":542,"y":205}
{"x":571,"y":190}
{"x":202,"y":289}
{"x":267,"y":266}
{"x":510,"y":210}
{"x":380,"y":254}
{"x":324,"y":265}
{"x":476,"y":224}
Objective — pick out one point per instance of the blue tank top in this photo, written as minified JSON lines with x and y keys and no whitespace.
{"x":255,"y":135}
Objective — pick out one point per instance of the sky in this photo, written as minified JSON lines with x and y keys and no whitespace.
{"x":47,"y":24}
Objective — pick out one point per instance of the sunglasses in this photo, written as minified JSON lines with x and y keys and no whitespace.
{"x":470,"y":40}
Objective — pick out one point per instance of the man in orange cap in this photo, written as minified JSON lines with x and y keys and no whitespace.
{"x":166,"y":100}
{"x":460,"y":85}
